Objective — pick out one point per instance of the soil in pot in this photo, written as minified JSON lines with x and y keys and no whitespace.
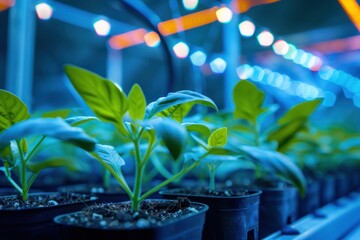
{"x":32,"y":219}
{"x":156,"y":219}
{"x":112,"y":194}
{"x":232,"y":214}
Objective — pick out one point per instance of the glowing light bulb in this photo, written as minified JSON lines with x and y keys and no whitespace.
{"x":102,"y":27}
{"x":190,"y":4}
{"x":198,"y":58}
{"x":245,"y":71}
{"x":152,"y":39}
{"x":224,"y":15}
{"x":181,"y":50}
{"x":218,"y":65}
{"x":326,"y":72}
{"x":247,"y":28}
{"x":44,"y":11}
{"x":281,"y":47}
{"x":265,"y":38}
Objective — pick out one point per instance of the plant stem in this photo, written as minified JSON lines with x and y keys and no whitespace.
{"x":212,"y":176}
{"x":180,"y":174}
{"x":106,"y":179}
{"x":12,"y":182}
{"x":29,"y":156}
{"x":22,"y":172}
{"x":31,"y":181}
{"x":119,"y":178}
{"x":138,"y":178}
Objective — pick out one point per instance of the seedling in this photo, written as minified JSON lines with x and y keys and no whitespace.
{"x":17,"y":149}
{"x":147,"y":127}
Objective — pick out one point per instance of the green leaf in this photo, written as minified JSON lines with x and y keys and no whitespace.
{"x":137,"y":103}
{"x":177,"y":98}
{"x":350,"y":144}
{"x":202,"y":129}
{"x":110,"y":157}
{"x":278,"y":164}
{"x":172,"y":134}
{"x":70,"y":164}
{"x":218,"y":138}
{"x":226,"y":151}
{"x":301,"y":110}
{"x":63,"y":113}
{"x":12,"y":110}
{"x":50,"y":127}
{"x":177,"y":112}
{"x":76,"y":121}
{"x":285,"y":133}
{"x":15,"y":153}
{"x":104,"y":97}
{"x":291,"y":123}
{"x":248,"y":100}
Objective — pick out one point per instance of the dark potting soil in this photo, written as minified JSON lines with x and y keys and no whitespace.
{"x":207,"y":192}
{"x":119,"y":215}
{"x":15,"y":202}
{"x":94,"y":188}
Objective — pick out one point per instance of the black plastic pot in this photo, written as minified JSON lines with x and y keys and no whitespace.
{"x":34,"y":223}
{"x":341,"y":185}
{"x":97,"y":190}
{"x":327,"y":190}
{"x":311,"y":201}
{"x":278,"y":208}
{"x":228,"y":217}
{"x":186,"y":227}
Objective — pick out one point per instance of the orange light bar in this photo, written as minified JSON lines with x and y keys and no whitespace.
{"x":188,"y":21}
{"x":183,"y":23}
{"x":128,"y":39}
{"x":5,"y":4}
{"x":352,"y":9}
{"x":241,"y":6}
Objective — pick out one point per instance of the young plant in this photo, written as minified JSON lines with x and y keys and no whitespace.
{"x":249,"y":109}
{"x":17,"y":149}
{"x":147,"y":127}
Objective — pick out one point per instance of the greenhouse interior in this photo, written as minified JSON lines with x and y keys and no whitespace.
{"x":180,"y":119}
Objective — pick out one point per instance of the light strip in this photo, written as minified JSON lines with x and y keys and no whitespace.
{"x":188,"y":22}
{"x":128,"y":39}
{"x":5,"y":4}
{"x":352,"y":9}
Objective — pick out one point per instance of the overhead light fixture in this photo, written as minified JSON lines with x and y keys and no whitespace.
{"x":43,"y":10}
{"x":190,"y":4}
{"x":247,"y":28}
{"x":265,"y":38}
{"x":224,"y":15}
{"x":198,"y":58}
{"x":181,"y":50}
{"x":102,"y":27}
{"x":352,"y":9}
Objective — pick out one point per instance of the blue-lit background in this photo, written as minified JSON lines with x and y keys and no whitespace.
{"x":294,"y":50}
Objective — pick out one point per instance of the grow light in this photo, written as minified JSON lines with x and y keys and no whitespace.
{"x":190,"y":4}
{"x":181,"y":50}
{"x":265,"y":38}
{"x":44,"y":11}
{"x":224,"y":15}
{"x":247,"y":28}
{"x":102,"y":27}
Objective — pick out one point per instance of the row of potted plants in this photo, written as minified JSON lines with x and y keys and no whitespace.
{"x":158,"y":137}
